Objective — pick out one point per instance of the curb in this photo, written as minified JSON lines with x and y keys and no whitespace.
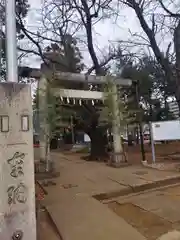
{"x":41,"y":187}
{"x":49,"y":215}
{"x":53,"y":223}
{"x":137,"y":188}
{"x":139,"y":193}
{"x":150,"y":166}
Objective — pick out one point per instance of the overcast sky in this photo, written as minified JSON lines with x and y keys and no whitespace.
{"x":104,"y":32}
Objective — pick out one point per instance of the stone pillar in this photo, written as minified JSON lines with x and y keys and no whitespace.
{"x":116,"y":121}
{"x":44,"y":125}
{"x":17,"y":190}
{"x":118,"y":156}
{"x":42,"y":85}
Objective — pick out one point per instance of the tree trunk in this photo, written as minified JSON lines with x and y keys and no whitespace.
{"x":137,"y":135}
{"x":98,"y":145}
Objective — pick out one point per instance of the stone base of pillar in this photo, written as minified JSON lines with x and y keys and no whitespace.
{"x":145,"y":163}
{"x":40,"y":166}
{"x":118,"y":160}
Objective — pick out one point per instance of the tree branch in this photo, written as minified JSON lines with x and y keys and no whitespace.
{"x":176,"y":15}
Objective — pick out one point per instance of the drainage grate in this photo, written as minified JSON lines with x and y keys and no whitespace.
{"x":140,"y":173}
{"x":67,"y":186}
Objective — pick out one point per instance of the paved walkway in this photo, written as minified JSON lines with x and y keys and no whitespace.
{"x":77,"y":214}
{"x":152,"y":213}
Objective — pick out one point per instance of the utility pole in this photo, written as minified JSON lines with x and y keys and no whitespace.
{"x":17,"y":191}
{"x":1,"y":35}
{"x":11,"y":56}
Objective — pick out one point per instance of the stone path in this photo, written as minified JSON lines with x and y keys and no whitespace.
{"x":77,"y":214}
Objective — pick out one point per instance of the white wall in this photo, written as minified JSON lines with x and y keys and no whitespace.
{"x":166,"y":130}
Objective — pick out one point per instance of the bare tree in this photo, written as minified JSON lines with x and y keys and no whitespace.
{"x":73,"y":17}
{"x":159,"y":19}
{"x":79,"y":19}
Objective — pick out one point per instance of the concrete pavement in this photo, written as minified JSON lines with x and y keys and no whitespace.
{"x":81,"y":217}
{"x":77,"y":214}
{"x":153,"y":212}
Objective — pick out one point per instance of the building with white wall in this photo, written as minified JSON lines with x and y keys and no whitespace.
{"x":173,"y":108}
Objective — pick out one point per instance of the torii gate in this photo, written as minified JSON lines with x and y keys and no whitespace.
{"x":85,"y":94}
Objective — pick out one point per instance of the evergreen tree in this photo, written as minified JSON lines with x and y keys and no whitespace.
{"x":152,"y":92}
{"x":64,"y":57}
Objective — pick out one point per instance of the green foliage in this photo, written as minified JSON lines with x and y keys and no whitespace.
{"x":152,"y":89}
{"x":66,"y":56}
{"x":22,"y":7}
{"x":158,"y":113}
{"x":53,"y":113}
